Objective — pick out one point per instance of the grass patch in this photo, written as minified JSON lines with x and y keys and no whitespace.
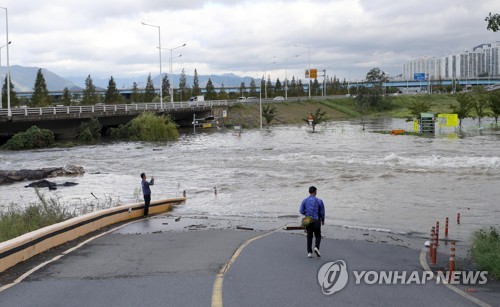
{"x":486,"y":251}
{"x":344,"y":105}
{"x":440,"y":104}
{"x":16,"y":220}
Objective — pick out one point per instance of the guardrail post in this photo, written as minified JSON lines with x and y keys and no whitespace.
{"x":25,"y":111}
{"x":55,"y":111}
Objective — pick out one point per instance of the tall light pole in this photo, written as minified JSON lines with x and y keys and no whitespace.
{"x":260,"y":102}
{"x":9,"y":111}
{"x":265,"y":78}
{"x":159,"y":53}
{"x":171,"y":90}
{"x":0,"y":73}
{"x":309,"y":67}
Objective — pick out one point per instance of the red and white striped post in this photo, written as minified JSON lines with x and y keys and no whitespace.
{"x":434,"y":247}
{"x":458,"y":218}
{"x":446,"y":228}
{"x":452,"y":260}
{"x":431,"y":245}
{"x":437,"y":233}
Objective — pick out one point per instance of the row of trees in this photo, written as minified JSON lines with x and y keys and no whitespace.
{"x":476,"y":104}
{"x":91,"y":95}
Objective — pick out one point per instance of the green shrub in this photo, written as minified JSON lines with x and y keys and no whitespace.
{"x":34,"y":137}
{"x":486,"y":251}
{"x":89,"y":132}
{"x":147,"y":127}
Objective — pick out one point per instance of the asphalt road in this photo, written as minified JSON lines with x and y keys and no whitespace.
{"x":139,"y":265}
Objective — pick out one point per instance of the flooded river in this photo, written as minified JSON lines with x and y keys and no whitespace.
{"x":367,"y":180}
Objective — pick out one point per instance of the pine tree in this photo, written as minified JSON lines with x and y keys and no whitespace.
{"x":269,"y":88}
{"x":90,"y":94}
{"x":66,"y":97}
{"x":293,"y":88}
{"x":182,"y":85}
{"x":14,"y":101}
{"x":243,"y":89}
{"x":136,"y":96}
{"x":315,"y":89}
{"x":300,"y":88}
{"x":149,"y":91}
{"x":40,"y":96}
{"x":112,"y":94}
{"x":196,"y":84}
{"x":165,"y":87}
{"x":253,"y":88}
{"x":222,"y":93}
{"x":277,"y":87}
{"x":210,"y":93}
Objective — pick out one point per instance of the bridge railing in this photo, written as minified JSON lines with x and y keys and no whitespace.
{"x":100,"y":108}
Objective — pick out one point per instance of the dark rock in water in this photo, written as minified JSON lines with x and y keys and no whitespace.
{"x":68,"y":184}
{"x":41,"y":184}
{"x":48,"y":184}
{"x":11,"y":176}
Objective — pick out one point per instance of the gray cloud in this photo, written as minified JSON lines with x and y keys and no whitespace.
{"x":347,"y":37}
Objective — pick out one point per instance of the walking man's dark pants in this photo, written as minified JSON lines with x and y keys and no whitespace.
{"x":313,"y":229}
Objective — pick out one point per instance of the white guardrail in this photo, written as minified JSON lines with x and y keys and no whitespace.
{"x":23,"y":111}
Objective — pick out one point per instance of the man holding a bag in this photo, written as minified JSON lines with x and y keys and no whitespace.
{"x":314,"y":211}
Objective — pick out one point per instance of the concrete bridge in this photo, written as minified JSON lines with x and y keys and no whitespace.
{"x":62,"y":120}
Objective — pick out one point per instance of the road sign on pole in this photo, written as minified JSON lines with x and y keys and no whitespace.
{"x":419,"y":76}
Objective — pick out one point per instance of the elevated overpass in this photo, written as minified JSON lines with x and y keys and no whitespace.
{"x":62,"y":120}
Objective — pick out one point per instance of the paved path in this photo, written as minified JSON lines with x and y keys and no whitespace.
{"x":139,"y":265}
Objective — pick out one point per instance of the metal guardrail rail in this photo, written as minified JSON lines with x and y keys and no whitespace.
{"x":112,"y":108}
{"x":137,"y":107}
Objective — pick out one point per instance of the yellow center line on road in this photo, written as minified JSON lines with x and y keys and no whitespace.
{"x":219,"y":279}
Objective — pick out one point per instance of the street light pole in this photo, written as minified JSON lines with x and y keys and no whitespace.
{"x":260,"y":102}
{"x":171,"y":90}
{"x":1,"y":105}
{"x":159,"y":53}
{"x":309,"y":68}
{"x":9,"y":111}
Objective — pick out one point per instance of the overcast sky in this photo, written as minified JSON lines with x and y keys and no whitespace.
{"x":347,"y":38}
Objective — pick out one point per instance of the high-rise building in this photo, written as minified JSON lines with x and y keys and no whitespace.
{"x":482,"y":62}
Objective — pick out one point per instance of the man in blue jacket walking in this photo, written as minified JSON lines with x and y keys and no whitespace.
{"x":146,"y":191}
{"x":313,"y":207}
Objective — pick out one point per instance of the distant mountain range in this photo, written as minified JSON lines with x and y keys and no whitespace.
{"x":23,"y":79}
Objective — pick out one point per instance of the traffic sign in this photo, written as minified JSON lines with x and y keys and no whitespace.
{"x":419,"y":76}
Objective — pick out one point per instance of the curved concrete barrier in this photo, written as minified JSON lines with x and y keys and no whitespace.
{"x":30,"y":244}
